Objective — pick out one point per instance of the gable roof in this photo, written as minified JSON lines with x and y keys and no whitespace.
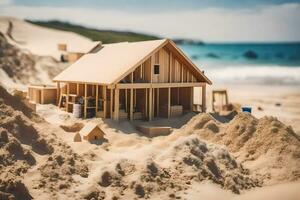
{"x":114,"y":61}
{"x":88,"y":128}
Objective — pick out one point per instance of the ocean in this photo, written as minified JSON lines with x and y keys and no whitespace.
{"x":247,"y":63}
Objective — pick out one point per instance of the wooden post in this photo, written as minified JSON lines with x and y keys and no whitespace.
{"x":178,"y":96}
{"x":146,"y":102}
{"x":77,"y":89}
{"x":67,"y":98}
{"x":97,"y":97}
{"x":170,"y":67}
{"x":157,"y":103}
{"x":204,"y":98}
{"x":150,"y":104}
{"x":57,"y":93}
{"x":169,"y":102}
{"x":116,"y":113}
{"x":85,"y":100}
{"x":111,"y":102}
{"x":181,"y":77}
{"x":42,"y":96}
{"x":192,"y":98}
{"x":126,"y":100}
{"x":131,"y":105}
{"x":134,"y":102}
{"x":104,"y":102}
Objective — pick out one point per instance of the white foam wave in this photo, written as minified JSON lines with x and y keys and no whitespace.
{"x":255,"y":74}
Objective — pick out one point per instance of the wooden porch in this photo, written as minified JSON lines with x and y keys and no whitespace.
{"x":131,"y":101}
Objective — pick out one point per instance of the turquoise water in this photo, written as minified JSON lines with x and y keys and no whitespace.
{"x":276,"y":63}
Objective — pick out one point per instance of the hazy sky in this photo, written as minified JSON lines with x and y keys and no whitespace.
{"x":208,"y":20}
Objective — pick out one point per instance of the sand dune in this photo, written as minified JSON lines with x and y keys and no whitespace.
{"x":39,"y":40}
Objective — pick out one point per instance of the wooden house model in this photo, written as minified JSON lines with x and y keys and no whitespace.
{"x":91,"y":131}
{"x":133,"y":80}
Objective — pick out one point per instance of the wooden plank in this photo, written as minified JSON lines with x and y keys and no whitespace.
{"x":131,"y":105}
{"x":57,"y":93}
{"x":42,"y":96}
{"x":146,"y":102}
{"x":170,"y":67}
{"x":97,"y":97}
{"x":204,"y":98}
{"x":85,"y":100}
{"x":158,"y":85}
{"x":181,"y":77}
{"x":192,"y":99}
{"x":111,"y":102}
{"x":150,"y":105}
{"x":77,"y":88}
{"x":177,"y":96}
{"x":169,"y":102}
{"x":126,"y":101}
{"x":116,"y":111}
{"x":157,"y":99}
{"x":134,"y":95}
{"x":104,"y":102}
{"x":67,"y":97}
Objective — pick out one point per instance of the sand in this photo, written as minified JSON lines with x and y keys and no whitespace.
{"x":42,"y":41}
{"x":281,"y":101}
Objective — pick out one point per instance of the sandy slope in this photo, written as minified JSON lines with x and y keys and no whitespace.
{"x":274,"y":163}
{"x":42,"y":41}
{"x":266,"y":97}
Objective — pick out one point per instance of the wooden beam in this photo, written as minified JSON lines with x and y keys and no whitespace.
{"x":97,"y":97}
{"x":57,"y":93}
{"x":169,"y":102}
{"x":131,"y":105}
{"x":158,"y":85}
{"x":77,"y":88}
{"x":42,"y":96}
{"x":67,"y":97}
{"x":192,"y":98}
{"x":204,"y":98}
{"x":116,"y":112}
{"x":170,"y":67}
{"x":146,"y":102}
{"x":181,"y":77}
{"x":150,"y":105}
{"x":104,"y":102}
{"x":111,"y":103}
{"x":157,"y":102}
{"x":85,"y":101}
{"x":126,"y":101}
{"x":177,"y":96}
{"x":134,"y":102}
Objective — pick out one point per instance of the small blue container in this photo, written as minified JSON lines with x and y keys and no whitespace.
{"x":247,"y":109}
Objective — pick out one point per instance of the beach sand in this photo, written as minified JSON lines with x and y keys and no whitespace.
{"x":287,"y":98}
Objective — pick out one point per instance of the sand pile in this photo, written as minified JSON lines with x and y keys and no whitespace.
{"x":27,"y":142}
{"x":170,"y":173}
{"x":265,"y":145}
{"x":19,"y":68}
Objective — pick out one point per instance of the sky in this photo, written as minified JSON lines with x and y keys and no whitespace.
{"x":207,"y":20}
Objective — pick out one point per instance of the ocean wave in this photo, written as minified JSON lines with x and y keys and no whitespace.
{"x":255,"y":74}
